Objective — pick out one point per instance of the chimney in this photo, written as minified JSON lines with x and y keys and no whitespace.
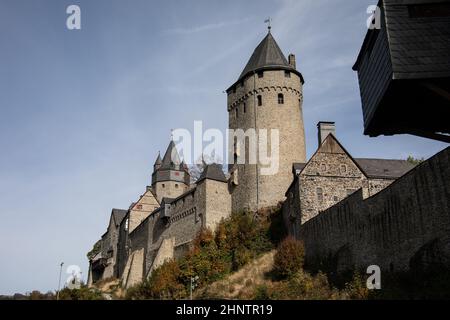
{"x":292,"y":60}
{"x":324,"y":129}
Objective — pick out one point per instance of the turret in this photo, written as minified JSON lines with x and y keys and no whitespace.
{"x":170,"y":178}
{"x":267,"y":95}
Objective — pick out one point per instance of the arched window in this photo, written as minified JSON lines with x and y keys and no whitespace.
{"x":259,"y":100}
{"x":237,"y":113}
{"x":245,"y":107}
{"x":280,"y":98}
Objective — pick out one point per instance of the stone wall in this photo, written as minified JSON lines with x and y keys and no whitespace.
{"x":244,"y":113}
{"x":406,"y":224}
{"x":165,"y":235}
{"x":169,"y":189}
{"x":329,"y":177}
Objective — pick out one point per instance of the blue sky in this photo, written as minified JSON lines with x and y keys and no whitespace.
{"x":84,"y":113}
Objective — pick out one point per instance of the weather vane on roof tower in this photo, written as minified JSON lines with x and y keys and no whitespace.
{"x":268,"y":21}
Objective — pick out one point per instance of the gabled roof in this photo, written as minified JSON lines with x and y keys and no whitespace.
{"x":213,"y":171}
{"x":171,"y":157}
{"x":118,"y":215}
{"x":371,"y":168}
{"x":384,"y":168}
{"x":332,"y":145}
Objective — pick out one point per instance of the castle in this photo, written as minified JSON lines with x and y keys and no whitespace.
{"x":162,"y":223}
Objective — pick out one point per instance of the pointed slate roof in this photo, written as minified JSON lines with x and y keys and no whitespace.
{"x":158,"y":159}
{"x":171,"y":157}
{"x":213,"y":171}
{"x":118,"y":215}
{"x":267,"y":56}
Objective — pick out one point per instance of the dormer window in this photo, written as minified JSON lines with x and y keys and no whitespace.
{"x":259,"y":100}
{"x":280,"y":98}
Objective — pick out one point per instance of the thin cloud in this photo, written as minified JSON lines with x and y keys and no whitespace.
{"x":207,"y":27}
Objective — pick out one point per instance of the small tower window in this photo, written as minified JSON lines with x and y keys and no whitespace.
{"x":176,"y":185}
{"x":237,"y":113}
{"x":163,"y":185}
{"x":259,"y":100}
{"x":245,"y":107}
{"x":280,"y":98}
{"x":287,"y":74}
{"x":319,"y":194}
{"x":260,"y":74}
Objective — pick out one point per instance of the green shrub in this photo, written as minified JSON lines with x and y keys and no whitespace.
{"x":83,"y":293}
{"x":289,"y":258}
{"x":237,"y":240}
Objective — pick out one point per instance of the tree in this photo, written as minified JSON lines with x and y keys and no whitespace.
{"x":415,"y":161}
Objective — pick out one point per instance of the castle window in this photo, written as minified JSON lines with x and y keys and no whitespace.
{"x":287,"y":74}
{"x":280,"y":98}
{"x":259,"y":100}
{"x":163,"y":185}
{"x":260,"y":74}
{"x":176,"y":185}
{"x":237,"y":113}
{"x":319,"y":192}
{"x":245,"y":107}
{"x":139,"y":207}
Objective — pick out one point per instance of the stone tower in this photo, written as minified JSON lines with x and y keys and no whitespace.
{"x":170,"y":177}
{"x":267,"y":95}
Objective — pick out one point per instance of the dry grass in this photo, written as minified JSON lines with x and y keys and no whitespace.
{"x":241,"y":284}
{"x":111,"y":287}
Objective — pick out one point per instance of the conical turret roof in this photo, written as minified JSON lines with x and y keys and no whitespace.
{"x":158,"y":160}
{"x":267,"y":56}
{"x":171,"y":158}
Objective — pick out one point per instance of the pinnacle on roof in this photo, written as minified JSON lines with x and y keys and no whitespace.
{"x":171,"y":158}
{"x":158,"y":159}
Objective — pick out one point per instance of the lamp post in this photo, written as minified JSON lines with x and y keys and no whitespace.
{"x":59,"y":282}
{"x":193,"y":285}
